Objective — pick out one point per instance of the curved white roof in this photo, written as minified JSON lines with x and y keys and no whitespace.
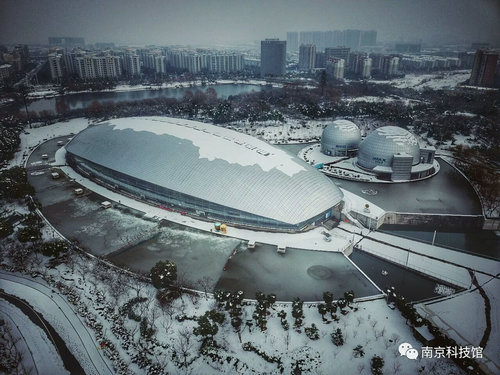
{"x":210,"y":163}
{"x":383,"y":143}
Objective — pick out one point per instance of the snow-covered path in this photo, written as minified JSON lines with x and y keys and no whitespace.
{"x":39,"y":354}
{"x":59,"y":313}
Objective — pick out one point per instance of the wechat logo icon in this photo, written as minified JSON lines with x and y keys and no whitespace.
{"x":408,"y":351}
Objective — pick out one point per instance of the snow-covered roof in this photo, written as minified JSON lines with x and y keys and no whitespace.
{"x":210,"y":163}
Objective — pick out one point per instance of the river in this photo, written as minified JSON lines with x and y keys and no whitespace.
{"x":84,"y":100}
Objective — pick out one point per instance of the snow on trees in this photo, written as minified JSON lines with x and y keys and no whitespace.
{"x":163,"y":274}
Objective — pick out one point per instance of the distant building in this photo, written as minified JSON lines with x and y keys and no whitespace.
{"x":17,"y":58}
{"x":466,"y":59}
{"x":307,"y":56}
{"x":360,"y":64}
{"x":408,"y":47}
{"x":352,"y":39}
{"x":390,"y":65}
{"x":476,"y":46}
{"x":104,"y":45}
{"x":292,"y":41}
{"x":131,"y":64}
{"x":484,"y":68}
{"x":5,"y":72}
{"x":91,"y":66}
{"x":335,"y":67}
{"x":338,"y":52}
{"x":272,"y":57}
{"x":320,"y":60}
{"x":56,"y":66}
{"x":197,"y":61}
{"x":368,"y":38}
{"x":66,"y":42}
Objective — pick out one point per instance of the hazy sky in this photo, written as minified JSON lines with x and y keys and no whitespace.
{"x":225,"y":21}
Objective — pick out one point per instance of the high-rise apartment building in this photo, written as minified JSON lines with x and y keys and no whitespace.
{"x":292,"y":41}
{"x":307,"y":56}
{"x":390,"y":65}
{"x":360,"y":65}
{"x":484,"y":68}
{"x":91,"y":66}
{"x":56,"y":66}
{"x":131,"y":64}
{"x":195,"y":62}
{"x":320,"y":60}
{"x":272,"y":57}
{"x":335,"y":67}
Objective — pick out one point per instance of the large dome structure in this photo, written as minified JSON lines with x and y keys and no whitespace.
{"x":205,"y":170}
{"x":339,"y":138}
{"x":380,"y":147}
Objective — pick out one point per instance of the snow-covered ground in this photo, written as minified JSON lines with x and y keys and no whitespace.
{"x":371,"y":325}
{"x":434,"y":81}
{"x":60,"y":315}
{"x":462,"y":317}
{"x":33,"y":137}
{"x":39,"y":354}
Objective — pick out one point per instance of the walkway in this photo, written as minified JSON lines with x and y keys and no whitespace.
{"x":59,"y":313}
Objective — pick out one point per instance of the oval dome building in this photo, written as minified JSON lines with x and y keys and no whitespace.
{"x":205,"y":170}
{"x":340,"y":138}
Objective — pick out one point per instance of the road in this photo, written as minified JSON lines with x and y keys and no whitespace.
{"x":59,"y":314}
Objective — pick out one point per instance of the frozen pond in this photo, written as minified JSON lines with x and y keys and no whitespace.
{"x":298,"y":273}
{"x":198,"y":255}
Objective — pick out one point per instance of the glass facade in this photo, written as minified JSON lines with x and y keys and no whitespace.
{"x":171,"y":199}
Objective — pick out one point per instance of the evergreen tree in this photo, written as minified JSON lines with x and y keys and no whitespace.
{"x":376,"y":365}
{"x":337,"y":337}
{"x":312,"y":332}
{"x":163,"y":274}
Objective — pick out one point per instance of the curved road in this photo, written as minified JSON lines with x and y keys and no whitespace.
{"x":59,"y":314}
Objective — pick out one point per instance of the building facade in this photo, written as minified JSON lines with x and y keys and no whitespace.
{"x":484,"y":68}
{"x":307,"y":56}
{"x":272,"y":57}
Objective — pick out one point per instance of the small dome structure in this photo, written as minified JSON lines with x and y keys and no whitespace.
{"x":340,"y":137}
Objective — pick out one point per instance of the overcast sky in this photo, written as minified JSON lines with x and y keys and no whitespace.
{"x":213,"y":22}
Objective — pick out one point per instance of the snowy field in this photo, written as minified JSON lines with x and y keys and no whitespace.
{"x":435,"y":81}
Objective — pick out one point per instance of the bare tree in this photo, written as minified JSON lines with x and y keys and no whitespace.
{"x":205,"y":283}
{"x":184,"y":347}
{"x":135,"y":284}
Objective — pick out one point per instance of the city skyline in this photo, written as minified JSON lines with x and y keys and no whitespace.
{"x":207,"y":23}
